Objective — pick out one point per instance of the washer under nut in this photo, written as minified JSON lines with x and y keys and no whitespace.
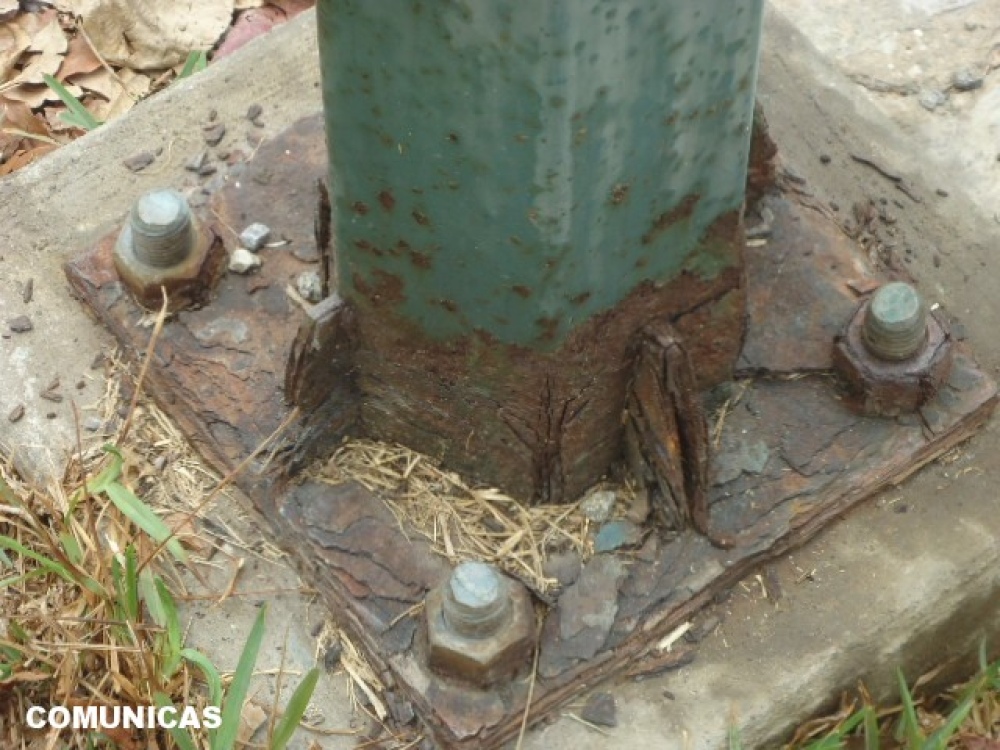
{"x":162,"y":245}
{"x":893,"y":352}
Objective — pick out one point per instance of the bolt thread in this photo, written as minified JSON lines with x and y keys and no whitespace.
{"x":895,"y":326}
{"x":476,"y":601}
{"x":162,"y":229}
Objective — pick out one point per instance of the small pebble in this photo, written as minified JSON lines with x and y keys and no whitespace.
{"x":16,"y":413}
{"x":138,"y":162}
{"x":931,"y":99}
{"x":824,"y":159}
{"x":29,"y":291}
{"x":207,"y":169}
{"x":598,"y":505}
{"x":309,"y":286}
{"x":255,"y":236}
{"x":306,"y":254}
{"x":254,"y":113}
{"x":967,"y":80}
{"x":195,"y":163}
{"x":20,"y":324}
{"x":92,"y":423}
{"x":942,"y":192}
{"x":50,"y":415}
{"x":215,"y":133}
{"x":213,"y":115}
{"x":81,"y":384}
{"x":243,"y":261}
{"x":600,"y":710}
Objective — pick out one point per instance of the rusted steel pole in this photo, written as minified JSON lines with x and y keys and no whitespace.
{"x":518,"y":188}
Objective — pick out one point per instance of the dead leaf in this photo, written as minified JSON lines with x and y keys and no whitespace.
{"x":79,"y":59}
{"x":252,"y":718}
{"x":37,"y":95}
{"x":152,"y":34}
{"x":17,"y":116}
{"x":50,"y":39}
{"x":99,"y":82}
{"x":13,"y":43}
{"x":48,"y":45}
{"x":249,"y":25}
{"x":293,"y":7}
{"x":979,"y":743}
{"x":136,"y":87}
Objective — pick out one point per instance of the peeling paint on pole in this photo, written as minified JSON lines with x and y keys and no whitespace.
{"x":505,"y":173}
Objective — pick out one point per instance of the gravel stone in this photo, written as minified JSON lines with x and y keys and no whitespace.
{"x":309,"y":286}
{"x":255,"y":236}
{"x":243,"y":261}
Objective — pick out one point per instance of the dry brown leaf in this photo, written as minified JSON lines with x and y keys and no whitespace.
{"x":99,"y":82}
{"x":252,"y":718}
{"x":50,"y":39}
{"x":13,"y":43}
{"x":16,"y":115}
{"x":79,"y":59}
{"x":48,"y":45}
{"x":293,"y":7}
{"x":136,"y":86}
{"x":38,"y":64}
{"x":152,"y":34}
{"x":36,"y":95}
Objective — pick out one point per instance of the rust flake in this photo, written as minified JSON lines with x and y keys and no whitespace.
{"x":664,"y":221}
{"x":360,"y":208}
{"x":387,"y":200}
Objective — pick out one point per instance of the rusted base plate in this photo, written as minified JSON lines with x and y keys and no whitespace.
{"x":792,"y":453}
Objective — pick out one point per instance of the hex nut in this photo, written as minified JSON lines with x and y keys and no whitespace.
{"x":187,"y":283}
{"x":483,"y":661}
{"x":890,"y":388}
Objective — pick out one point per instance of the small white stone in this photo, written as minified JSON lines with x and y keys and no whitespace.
{"x":93,"y":424}
{"x":309,"y":286}
{"x":254,"y":236}
{"x":243,"y":261}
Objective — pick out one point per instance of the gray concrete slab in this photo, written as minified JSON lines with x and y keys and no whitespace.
{"x":882,"y":589}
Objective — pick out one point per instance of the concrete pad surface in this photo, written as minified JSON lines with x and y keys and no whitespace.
{"x":911,"y":579}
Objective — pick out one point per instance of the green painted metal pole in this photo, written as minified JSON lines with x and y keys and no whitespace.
{"x":518,"y":186}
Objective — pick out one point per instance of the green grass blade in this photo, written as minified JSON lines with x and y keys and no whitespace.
{"x":78,"y":114}
{"x":5,"y":561}
{"x":909,"y":723}
{"x":6,"y":582}
{"x":181,"y":738}
{"x":142,"y":516}
{"x":872,"y":735}
{"x":940,"y":738}
{"x":48,"y":564}
{"x":237,"y":693}
{"x":295,"y":710}
{"x":197,"y":61}
{"x":208,"y":669}
{"x":71,"y":547}
{"x":131,"y":583}
{"x":735,"y":743}
{"x":171,"y":620}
